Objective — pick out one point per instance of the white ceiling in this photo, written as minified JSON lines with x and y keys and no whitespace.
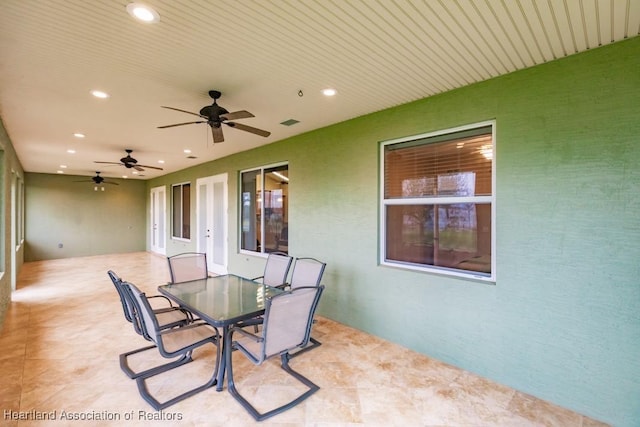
{"x":259,"y":54}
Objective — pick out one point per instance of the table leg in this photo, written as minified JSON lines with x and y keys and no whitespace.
{"x":226,"y":346}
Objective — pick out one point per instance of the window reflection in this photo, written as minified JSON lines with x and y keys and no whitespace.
{"x":264,"y":198}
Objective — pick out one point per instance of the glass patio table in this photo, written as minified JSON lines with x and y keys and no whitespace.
{"x":221,"y":301}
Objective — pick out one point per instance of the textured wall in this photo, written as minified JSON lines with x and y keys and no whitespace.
{"x":9,"y":167}
{"x":562,"y":321}
{"x":86,"y":222}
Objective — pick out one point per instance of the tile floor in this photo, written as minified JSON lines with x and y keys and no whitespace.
{"x":64,"y":330}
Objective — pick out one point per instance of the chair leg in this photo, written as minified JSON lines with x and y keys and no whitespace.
{"x":253,"y":411}
{"x":124,"y":364}
{"x":156,"y":404}
{"x":313,"y":344}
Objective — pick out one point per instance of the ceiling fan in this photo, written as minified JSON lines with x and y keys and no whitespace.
{"x":129,"y":162}
{"x":216,"y":115}
{"x":98,"y":180}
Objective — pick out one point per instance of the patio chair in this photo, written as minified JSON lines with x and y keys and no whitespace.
{"x":307,"y":272}
{"x":275,"y":274}
{"x":276,"y":269}
{"x":159,"y":303}
{"x":175,"y":342}
{"x":168,"y":316}
{"x":287,"y":325}
{"x":188,"y":266}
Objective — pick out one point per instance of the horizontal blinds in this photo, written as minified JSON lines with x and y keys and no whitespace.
{"x":457,"y":164}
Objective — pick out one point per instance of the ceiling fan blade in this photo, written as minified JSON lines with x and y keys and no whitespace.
{"x":248,"y":129}
{"x":185,"y":111}
{"x":139,"y":168}
{"x":145,"y":166}
{"x":112,"y":183}
{"x":109,"y":163}
{"x":243,"y":114}
{"x":217,"y":134}
{"x":86,"y":180}
{"x":181,"y":124}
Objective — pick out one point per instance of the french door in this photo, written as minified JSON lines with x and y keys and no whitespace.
{"x":158,"y":214}
{"x":212,"y":220}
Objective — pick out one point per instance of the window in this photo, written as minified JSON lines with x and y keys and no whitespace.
{"x":264,"y":222}
{"x":181,"y":210}
{"x":438,"y":202}
{"x":17,"y":206}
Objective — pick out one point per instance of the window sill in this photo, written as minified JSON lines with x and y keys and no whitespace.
{"x":441,"y":271}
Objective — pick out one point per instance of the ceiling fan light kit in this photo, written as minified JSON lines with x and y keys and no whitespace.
{"x":215,"y":116}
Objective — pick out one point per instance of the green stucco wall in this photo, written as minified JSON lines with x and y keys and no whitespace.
{"x":86,"y":222}
{"x":562,"y":321}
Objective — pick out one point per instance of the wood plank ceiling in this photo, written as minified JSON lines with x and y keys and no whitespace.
{"x":259,"y":54}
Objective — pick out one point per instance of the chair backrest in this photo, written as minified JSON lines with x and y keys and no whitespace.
{"x":187,"y":266}
{"x":146,"y":319}
{"x":126,"y":307}
{"x":276,"y":269}
{"x":307,"y":272}
{"x":288,"y":320}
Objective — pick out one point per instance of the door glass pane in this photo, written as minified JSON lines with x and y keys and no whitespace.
{"x":186,"y":211}
{"x":218,"y":223}
{"x":276,"y":181}
{"x":177,"y":211}
{"x":250,"y":211}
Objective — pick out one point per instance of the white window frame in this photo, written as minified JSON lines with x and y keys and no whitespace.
{"x":439,"y":200}
{"x":173,"y":188}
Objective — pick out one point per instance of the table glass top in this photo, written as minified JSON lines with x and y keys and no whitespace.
{"x":221,"y":299}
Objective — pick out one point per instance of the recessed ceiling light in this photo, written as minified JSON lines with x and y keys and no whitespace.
{"x":99,"y":94}
{"x":143,"y":13}
{"x":329,"y":92}
{"x":187,"y":151}
{"x":78,"y":135}
{"x":125,"y":176}
{"x":71,"y":151}
{"x":135,"y":172}
{"x":161,"y":161}
{"x":63,"y":166}
{"x":60,"y":171}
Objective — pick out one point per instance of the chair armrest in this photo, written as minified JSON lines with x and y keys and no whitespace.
{"x":162,"y":298}
{"x":165,"y":309}
{"x":254,"y":321}
{"x":189,"y":326}
{"x":254,"y":337}
{"x":189,"y":315}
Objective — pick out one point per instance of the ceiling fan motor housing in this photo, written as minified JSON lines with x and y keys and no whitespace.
{"x":128,"y":161}
{"x":213,"y":113}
